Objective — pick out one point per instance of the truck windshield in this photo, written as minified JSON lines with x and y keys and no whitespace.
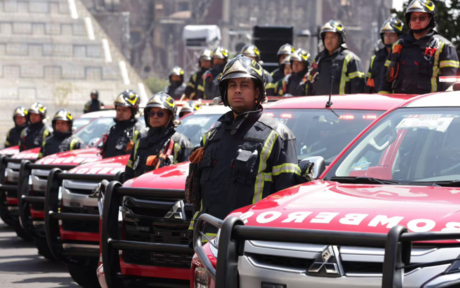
{"x":320,"y":132}
{"x":409,"y":145}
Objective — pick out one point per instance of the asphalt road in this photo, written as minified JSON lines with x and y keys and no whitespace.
{"x":20,"y":265}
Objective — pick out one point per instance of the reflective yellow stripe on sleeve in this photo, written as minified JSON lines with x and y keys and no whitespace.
{"x":176,"y":152}
{"x":436,"y":69}
{"x":264,"y":155}
{"x":190,"y":84}
{"x":449,"y":64}
{"x":286,"y":168}
{"x":356,"y":74}
{"x":343,"y":78}
{"x":372,"y":61}
{"x":387,"y":63}
{"x":200,"y":88}
{"x":73,"y":143}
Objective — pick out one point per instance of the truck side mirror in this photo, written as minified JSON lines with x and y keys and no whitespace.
{"x":319,"y":165}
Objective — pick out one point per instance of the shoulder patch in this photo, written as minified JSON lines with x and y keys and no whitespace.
{"x":282,"y":130}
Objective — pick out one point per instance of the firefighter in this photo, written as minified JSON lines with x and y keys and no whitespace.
{"x":204,"y":62}
{"x":162,"y":145}
{"x":299,"y":63}
{"x":278,"y":74}
{"x":335,"y":63}
{"x":94,"y":104}
{"x":20,"y":123}
{"x":37,"y":132}
{"x":390,"y":32}
{"x":248,"y":156}
{"x":251,"y":51}
{"x":418,"y":59}
{"x":176,"y":86}
{"x":209,"y":88}
{"x":121,"y":137}
{"x":61,"y":139}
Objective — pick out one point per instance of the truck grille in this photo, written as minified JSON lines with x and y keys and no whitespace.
{"x":144,"y":222}
{"x":81,"y":226}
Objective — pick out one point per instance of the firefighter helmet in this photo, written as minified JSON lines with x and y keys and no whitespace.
{"x":63,"y":115}
{"x":242,"y":67}
{"x":335,"y":27}
{"x":251,"y":51}
{"x":128,"y":98}
{"x":392,"y":25}
{"x":423,"y":6}
{"x":163,"y":101}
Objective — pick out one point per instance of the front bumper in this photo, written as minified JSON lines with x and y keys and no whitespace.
{"x":136,"y":253}
{"x":258,"y":256}
{"x":72,"y":219}
{"x":9,"y":177}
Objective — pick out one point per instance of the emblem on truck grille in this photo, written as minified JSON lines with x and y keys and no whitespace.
{"x":177,"y":211}
{"x":327,"y":263}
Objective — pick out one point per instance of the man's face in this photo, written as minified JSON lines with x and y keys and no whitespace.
{"x":20,"y":120}
{"x":287,"y":69}
{"x":332,"y":41}
{"x":35,"y":118}
{"x":205,"y":64}
{"x":218,"y":61}
{"x":62,"y":126}
{"x":93,"y":96}
{"x":123,"y":113}
{"x":389,"y":38}
{"x":297,"y":66}
{"x":419,"y":20}
{"x":242,"y":94}
{"x":281,"y":58}
{"x":159,"y":117}
{"x":176,"y":78}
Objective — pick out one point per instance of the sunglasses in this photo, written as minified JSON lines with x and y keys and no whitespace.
{"x":160,"y":114}
{"x":421,"y":18}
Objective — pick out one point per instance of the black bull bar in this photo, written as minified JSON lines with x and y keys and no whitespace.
{"x":397,"y":244}
{"x":53,"y":214}
{"x":24,"y":196}
{"x":110,"y":200}
{"x":4,"y":212}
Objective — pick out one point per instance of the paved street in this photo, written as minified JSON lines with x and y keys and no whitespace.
{"x":20,"y":265}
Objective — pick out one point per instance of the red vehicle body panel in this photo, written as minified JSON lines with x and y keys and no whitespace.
{"x":10,"y":150}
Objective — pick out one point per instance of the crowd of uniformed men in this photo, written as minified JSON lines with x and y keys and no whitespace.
{"x":249,"y":156}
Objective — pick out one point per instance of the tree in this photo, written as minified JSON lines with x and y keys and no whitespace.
{"x":448,"y":19}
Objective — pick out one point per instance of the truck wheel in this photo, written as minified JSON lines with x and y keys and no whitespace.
{"x":44,"y":249}
{"x":6,"y":220}
{"x":21,"y":233}
{"x":84,"y":275}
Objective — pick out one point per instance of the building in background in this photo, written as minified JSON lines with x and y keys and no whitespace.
{"x":151,"y":33}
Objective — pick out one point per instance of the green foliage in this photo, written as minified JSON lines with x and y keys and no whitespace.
{"x":156,"y":84}
{"x":448,"y":19}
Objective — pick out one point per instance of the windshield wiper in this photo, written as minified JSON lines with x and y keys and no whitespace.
{"x":363,"y":180}
{"x":453,"y":183}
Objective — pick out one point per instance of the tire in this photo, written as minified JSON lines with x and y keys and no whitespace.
{"x":43,"y":249}
{"x":84,"y":275}
{"x":21,"y":233}
{"x":6,"y":220}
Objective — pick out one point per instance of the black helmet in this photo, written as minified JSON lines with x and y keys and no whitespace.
{"x":300,"y":55}
{"x":63,"y":115}
{"x":163,"y":101}
{"x":424,"y":6}
{"x":286,"y":49}
{"x":242,"y":67}
{"x":37,"y":108}
{"x":176,"y":71}
{"x":206,"y":54}
{"x":128,"y":98}
{"x":334,"y":26}
{"x":251,"y":51}
{"x":94,"y":92}
{"x":220,"y":53}
{"x":19,"y":111}
{"x":393,"y":25}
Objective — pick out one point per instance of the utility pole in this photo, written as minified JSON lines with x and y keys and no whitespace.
{"x":225,"y":24}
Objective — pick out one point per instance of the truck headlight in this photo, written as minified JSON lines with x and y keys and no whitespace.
{"x":201,"y":278}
